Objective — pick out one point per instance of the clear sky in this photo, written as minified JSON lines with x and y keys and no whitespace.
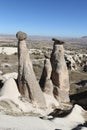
{"x":44,"y":17}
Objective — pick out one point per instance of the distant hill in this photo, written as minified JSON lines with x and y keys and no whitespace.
{"x":80,"y":40}
{"x":84,"y":37}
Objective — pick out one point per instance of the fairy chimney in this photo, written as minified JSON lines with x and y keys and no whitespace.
{"x":60,"y":76}
{"x":45,"y":80}
{"x":27,"y":83}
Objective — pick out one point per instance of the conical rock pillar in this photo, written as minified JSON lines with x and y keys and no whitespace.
{"x":27,"y":82}
{"x":60,"y":76}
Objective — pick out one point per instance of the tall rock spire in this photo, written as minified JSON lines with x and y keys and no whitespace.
{"x":27,"y":82}
{"x":60,"y":76}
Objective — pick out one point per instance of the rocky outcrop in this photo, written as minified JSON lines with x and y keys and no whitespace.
{"x":45,"y":80}
{"x":27,"y":83}
{"x":60,"y":76}
{"x":10,"y":89}
{"x":8,"y":50}
{"x":71,"y":64}
{"x":7,"y":76}
{"x":76,"y":62}
{"x":47,"y":85}
{"x":11,"y":101}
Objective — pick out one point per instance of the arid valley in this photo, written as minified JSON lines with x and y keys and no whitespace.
{"x":75,"y":54}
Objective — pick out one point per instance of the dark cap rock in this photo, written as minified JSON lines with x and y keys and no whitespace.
{"x":56,"y":41}
{"x":21,"y":36}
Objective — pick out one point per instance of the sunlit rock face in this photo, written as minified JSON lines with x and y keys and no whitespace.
{"x":27,"y":82}
{"x":47,"y":85}
{"x":60,"y":76}
{"x":45,"y":80}
{"x":10,"y":89}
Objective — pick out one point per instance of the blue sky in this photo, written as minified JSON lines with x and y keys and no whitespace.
{"x":44,"y":17}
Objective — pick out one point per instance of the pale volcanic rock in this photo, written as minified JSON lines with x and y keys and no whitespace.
{"x":60,"y":76}
{"x":68,"y":122}
{"x":71,"y":64}
{"x":8,"y":50}
{"x":27,"y":82}
{"x":6,"y":76}
{"x":45,"y":80}
{"x":10,"y":89}
{"x":51,"y":102}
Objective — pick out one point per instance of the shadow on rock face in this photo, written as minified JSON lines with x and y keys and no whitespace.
{"x":60,"y":113}
{"x":1,"y":84}
{"x":80,"y":126}
{"x":82,"y":83}
{"x":58,"y":129}
{"x":80,"y":99}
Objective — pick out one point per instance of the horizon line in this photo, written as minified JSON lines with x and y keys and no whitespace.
{"x":38,"y":35}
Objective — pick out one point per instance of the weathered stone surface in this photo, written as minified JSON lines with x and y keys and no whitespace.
{"x":27,"y":83}
{"x":76,"y":61}
{"x":45,"y":81}
{"x":10,"y":89}
{"x":71,"y":64}
{"x":21,"y":35}
{"x":47,"y":85}
{"x":60,"y":76}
